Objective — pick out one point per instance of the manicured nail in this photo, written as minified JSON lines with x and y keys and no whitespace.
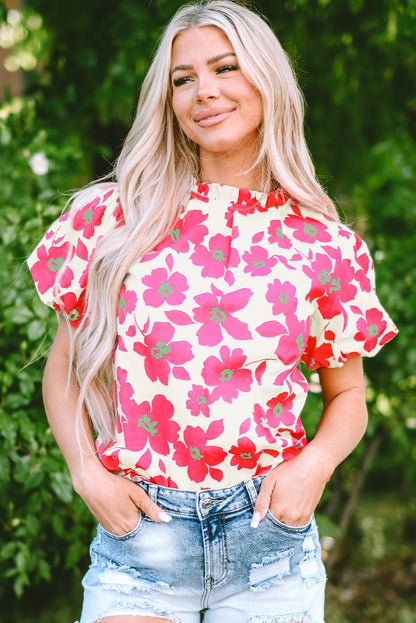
{"x":164,"y":517}
{"x":255,"y":520}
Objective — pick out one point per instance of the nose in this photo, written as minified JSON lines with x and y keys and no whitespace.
{"x":207,"y":89}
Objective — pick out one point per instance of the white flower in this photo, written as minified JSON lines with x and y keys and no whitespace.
{"x":39,"y":163}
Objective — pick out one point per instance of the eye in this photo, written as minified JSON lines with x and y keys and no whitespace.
{"x":177,"y":82}
{"x":226,"y":68}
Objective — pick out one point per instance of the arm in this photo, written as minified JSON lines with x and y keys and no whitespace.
{"x":113,"y":500}
{"x":293,"y":489}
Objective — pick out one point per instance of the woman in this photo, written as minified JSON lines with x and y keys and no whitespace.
{"x":194,"y":300}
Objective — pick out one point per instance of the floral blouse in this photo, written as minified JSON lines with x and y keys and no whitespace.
{"x":212,"y":327}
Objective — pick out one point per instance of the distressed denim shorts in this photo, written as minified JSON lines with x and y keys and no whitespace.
{"x":208,"y":564}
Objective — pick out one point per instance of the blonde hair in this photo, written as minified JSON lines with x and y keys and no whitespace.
{"x":157,"y":165}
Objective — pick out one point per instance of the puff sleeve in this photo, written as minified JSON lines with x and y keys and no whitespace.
{"x":349,"y":319}
{"x":59,"y":264}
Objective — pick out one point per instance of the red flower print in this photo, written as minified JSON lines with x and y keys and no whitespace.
{"x":164,"y":288}
{"x":47,"y":271}
{"x":217,"y":258}
{"x":245,"y":204}
{"x":159,"y":352}
{"x":227,"y":374}
{"x":258,"y":261}
{"x":86,"y":219}
{"x":72,"y":307}
{"x":316,"y":357}
{"x":370,"y":329}
{"x":215,"y":312}
{"x":118,"y":214}
{"x":197,"y":455}
{"x":201,"y":192}
{"x":263,"y":426}
{"x":245,"y":455}
{"x":280,"y":410}
{"x":276,"y":235}
{"x":306,"y":229}
{"x":151,"y":424}
{"x":282,"y":296}
{"x":127,"y":303}
{"x":164,"y":481}
{"x":199,"y":400}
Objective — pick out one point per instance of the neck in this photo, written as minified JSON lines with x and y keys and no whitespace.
{"x":234,"y":169}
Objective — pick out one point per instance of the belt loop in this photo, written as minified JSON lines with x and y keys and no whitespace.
{"x":251,"y":490}
{"x":152,"y":491}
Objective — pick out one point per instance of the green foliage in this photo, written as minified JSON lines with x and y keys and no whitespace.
{"x":38,"y":509}
{"x":356,"y":63}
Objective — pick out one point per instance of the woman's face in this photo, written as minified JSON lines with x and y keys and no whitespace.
{"x":214,"y":103}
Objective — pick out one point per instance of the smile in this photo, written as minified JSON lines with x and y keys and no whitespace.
{"x":212,"y":117}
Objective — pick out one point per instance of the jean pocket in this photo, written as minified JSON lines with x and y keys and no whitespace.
{"x":286,"y":527}
{"x":127,"y":535}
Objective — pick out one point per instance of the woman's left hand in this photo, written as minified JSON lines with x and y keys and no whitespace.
{"x":292,"y":490}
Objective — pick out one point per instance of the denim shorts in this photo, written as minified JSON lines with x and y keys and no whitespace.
{"x":208,"y":564}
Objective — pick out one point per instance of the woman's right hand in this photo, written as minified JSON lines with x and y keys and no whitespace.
{"x":115,"y":501}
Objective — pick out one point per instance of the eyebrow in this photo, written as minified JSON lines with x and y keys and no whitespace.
{"x":210,"y":61}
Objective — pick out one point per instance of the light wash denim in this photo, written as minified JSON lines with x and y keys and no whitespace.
{"x":208,"y":564}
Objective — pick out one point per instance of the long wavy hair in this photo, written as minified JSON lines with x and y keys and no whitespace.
{"x":155,"y":170}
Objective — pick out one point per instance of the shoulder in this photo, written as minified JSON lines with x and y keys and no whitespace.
{"x":313,"y":227}
{"x":93,"y":206}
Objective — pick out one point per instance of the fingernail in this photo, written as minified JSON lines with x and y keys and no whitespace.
{"x":255,"y":520}
{"x":164,"y":517}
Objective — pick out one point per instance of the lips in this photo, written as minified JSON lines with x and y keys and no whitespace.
{"x":212,"y":113}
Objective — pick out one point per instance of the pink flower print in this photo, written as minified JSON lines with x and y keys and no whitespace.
{"x":366,"y":266}
{"x":227,"y":374}
{"x":244,"y":454}
{"x":370,"y":329}
{"x":339,"y":290}
{"x":320,"y":272}
{"x":199,"y":400}
{"x":47,"y":270}
{"x":306,"y":229}
{"x":215,"y":312}
{"x":331,"y":287}
{"x":217,"y":258}
{"x":195,"y":453}
{"x":127,"y":303}
{"x":164,"y":288}
{"x":123,"y":396}
{"x":160,"y":352}
{"x":89,"y":217}
{"x":185,"y":231}
{"x":151,"y":424}
{"x":282,"y":296}
{"x":245,"y":204}
{"x":276,"y":235}
{"x":258,"y":261}
{"x":263,"y":426}
{"x":291,"y":346}
{"x":280,"y":410}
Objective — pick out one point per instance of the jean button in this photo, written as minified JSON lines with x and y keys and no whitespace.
{"x":207,"y":503}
